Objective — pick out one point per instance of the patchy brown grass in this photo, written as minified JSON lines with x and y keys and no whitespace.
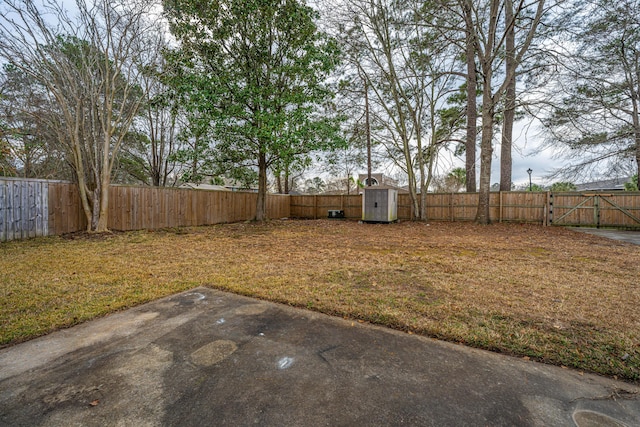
{"x":548,"y":294}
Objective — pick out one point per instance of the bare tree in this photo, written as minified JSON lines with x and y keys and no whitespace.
{"x":87,"y":63}
{"x":592,"y":111}
{"x":488,"y":29}
{"x":153,"y":158}
{"x":409,"y":78}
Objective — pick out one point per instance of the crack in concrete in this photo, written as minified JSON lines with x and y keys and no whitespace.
{"x":616,"y":394}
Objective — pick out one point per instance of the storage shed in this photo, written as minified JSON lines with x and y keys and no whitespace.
{"x":380,"y":204}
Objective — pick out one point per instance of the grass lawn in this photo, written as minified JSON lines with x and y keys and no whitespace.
{"x":547,"y":294}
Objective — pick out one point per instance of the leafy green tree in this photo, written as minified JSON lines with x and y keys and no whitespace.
{"x":452,"y":182}
{"x":256,"y":71}
{"x":30,"y":137}
{"x":563,"y":186}
{"x":632,"y":185}
{"x":315,"y":185}
{"x":535,"y":187}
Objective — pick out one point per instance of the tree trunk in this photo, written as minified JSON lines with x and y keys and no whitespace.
{"x":422,"y":209}
{"x":636,"y":125}
{"x":486,"y":154}
{"x":638,"y":161}
{"x":85,"y":199}
{"x":287,"y":187}
{"x":367,"y":130}
{"x":472,"y":108}
{"x":278,"y":174}
{"x":103,"y":210}
{"x":509,"y":101}
{"x":78,"y":165}
{"x":636,"y":131}
{"x":261,"y":205}
{"x":413,"y":194}
{"x":488,"y":115}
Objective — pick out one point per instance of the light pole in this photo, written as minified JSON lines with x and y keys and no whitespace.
{"x":529,"y":172}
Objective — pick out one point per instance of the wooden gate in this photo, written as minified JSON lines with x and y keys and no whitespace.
{"x":595,"y":209}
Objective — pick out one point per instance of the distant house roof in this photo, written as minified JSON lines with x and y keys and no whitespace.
{"x":228,"y":186}
{"x":614,"y":184}
{"x":204,"y":187}
{"x":381,"y":180}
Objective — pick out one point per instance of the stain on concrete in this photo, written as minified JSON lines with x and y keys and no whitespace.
{"x":251,"y":309}
{"x":195,"y":296}
{"x":191,"y":299}
{"x":137,"y":395}
{"x":546,"y":411}
{"x":213,"y":353}
{"x":595,"y":419}
{"x":68,"y":392}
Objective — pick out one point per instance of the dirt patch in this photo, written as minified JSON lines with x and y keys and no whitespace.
{"x":85,"y":235}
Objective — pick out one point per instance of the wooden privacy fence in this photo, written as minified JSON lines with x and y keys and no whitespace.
{"x":31,"y":208}
{"x":616,"y":209}
{"x":136,"y":208}
{"x":314,"y":207}
{"x":511,"y":206}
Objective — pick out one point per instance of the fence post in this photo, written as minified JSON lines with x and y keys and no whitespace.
{"x":451,"y":206}
{"x":315,"y":207}
{"x":500,"y":214}
{"x":545,"y":214}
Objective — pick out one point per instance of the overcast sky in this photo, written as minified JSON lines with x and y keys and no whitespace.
{"x":526,"y":154}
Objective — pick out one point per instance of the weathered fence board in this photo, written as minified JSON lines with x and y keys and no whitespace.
{"x":23,"y":208}
{"x":65,"y":210}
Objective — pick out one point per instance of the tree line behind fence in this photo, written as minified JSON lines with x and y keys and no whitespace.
{"x":31,"y":208}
